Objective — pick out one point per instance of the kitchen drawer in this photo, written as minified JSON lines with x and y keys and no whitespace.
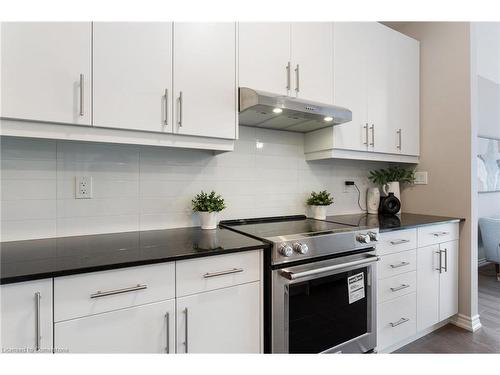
{"x":396,"y":241}
{"x":78,"y":295}
{"x":201,"y":275}
{"x":396,"y":286}
{"x":396,"y":320}
{"x":434,"y":234}
{"x":396,"y":264}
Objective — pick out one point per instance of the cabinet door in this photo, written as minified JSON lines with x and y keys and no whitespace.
{"x":448,"y":286}
{"x":381,"y":137}
{"x":143,"y":329}
{"x":264,"y":52}
{"x":23,"y":306}
{"x":427,"y":286}
{"x":350,"y":60}
{"x":205,"y":79}
{"x":221,"y":321}
{"x":46,"y":71}
{"x":133,"y":75}
{"x":312,"y":60}
{"x":404,"y":92}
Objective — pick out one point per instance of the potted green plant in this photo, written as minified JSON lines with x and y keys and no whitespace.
{"x":319,"y":202}
{"x":390,"y":179}
{"x":208,"y":206}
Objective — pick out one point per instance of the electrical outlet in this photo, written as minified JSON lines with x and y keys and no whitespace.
{"x":83,"y":186}
{"x":421,"y":178}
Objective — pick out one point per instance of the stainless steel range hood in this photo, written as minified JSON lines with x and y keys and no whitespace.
{"x":280,"y":112}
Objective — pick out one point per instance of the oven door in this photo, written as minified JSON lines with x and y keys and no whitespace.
{"x":325,"y":307}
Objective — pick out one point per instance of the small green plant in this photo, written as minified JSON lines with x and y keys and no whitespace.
{"x":204,"y":202}
{"x":323,"y":198}
{"x":400,"y":174}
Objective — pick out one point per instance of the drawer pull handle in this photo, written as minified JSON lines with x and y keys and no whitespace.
{"x":399,"y":322}
{"x":222,"y":273}
{"x":399,"y":242}
{"x":38,"y":324}
{"x":402,"y":264}
{"x":401,"y":287}
{"x":118,"y":291}
{"x":439,"y":234}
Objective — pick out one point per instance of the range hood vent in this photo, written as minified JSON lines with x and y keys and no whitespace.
{"x":280,"y":112}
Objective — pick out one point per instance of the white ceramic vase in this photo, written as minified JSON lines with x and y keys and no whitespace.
{"x":319,"y":212}
{"x":393,"y":187}
{"x":372,"y":200}
{"x":208,"y":220}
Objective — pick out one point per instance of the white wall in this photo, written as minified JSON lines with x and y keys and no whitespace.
{"x":144,"y":188}
{"x":486,"y":96}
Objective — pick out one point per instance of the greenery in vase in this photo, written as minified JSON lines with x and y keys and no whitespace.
{"x":204,"y":202}
{"x":323,"y":198}
{"x":400,"y":174}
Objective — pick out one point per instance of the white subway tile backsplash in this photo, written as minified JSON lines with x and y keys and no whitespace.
{"x":141,"y":188}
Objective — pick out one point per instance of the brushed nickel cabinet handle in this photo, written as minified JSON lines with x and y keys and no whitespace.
{"x":439,"y":234}
{"x":399,"y":139}
{"x":288,"y":77}
{"x":402,"y":264}
{"x":186,"y":331}
{"x":167,"y":318}
{"x":440,"y":268}
{"x":38,"y":328}
{"x":82,"y":84}
{"x":297,"y":78}
{"x":445,"y":251}
{"x":399,"y":322}
{"x":166,"y":107}
{"x":372,"y":128}
{"x":366,"y":134}
{"x":99,"y":294}
{"x":401,"y":287}
{"x":180,"y":110}
{"x":399,"y":242}
{"x":222,"y":273}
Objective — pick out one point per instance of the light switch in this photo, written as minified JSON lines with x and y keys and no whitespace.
{"x":421,"y":178}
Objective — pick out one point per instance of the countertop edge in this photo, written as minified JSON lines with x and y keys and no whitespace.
{"x":107,"y":267}
{"x":411,"y":226}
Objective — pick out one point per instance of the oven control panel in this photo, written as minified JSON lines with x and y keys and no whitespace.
{"x":294,"y":247}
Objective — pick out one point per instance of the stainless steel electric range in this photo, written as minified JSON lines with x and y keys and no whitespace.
{"x":320,"y":283}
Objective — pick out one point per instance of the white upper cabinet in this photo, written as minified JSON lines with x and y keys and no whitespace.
{"x":378,"y":105}
{"x":133,"y":75}
{"x":404,"y":89}
{"x":46,"y":71}
{"x":350,"y":83}
{"x":312,"y":61}
{"x":205,"y":89}
{"x":264,"y":56}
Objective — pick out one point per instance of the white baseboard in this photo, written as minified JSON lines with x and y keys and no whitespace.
{"x":469,"y":323}
{"x":417,"y":336}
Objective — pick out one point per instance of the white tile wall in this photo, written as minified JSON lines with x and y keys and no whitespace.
{"x":149,"y":188}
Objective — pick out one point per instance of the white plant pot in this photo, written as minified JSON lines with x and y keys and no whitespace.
{"x":208,"y":220}
{"x":393,"y":187}
{"x":319,"y":212}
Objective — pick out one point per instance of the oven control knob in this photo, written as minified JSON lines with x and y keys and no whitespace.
{"x":363,"y":238}
{"x":285,"y":250}
{"x":300,"y":248}
{"x":373,"y":236}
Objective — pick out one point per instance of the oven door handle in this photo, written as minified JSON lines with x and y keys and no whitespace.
{"x":298,"y":275}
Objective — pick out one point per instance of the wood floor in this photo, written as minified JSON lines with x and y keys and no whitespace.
{"x":451,"y":339}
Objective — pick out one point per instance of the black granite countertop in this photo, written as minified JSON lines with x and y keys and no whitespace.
{"x":390,"y":223}
{"x":52,"y":257}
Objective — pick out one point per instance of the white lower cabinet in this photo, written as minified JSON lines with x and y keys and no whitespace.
{"x":26,"y":317}
{"x":143,"y":329}
{"x":396,"y":320}
{"x":221,"y":321}
{"x":417,"y":288}
{"x":437,"y":283}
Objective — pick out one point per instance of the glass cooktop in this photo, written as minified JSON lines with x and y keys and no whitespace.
{"x":283,"y":226}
